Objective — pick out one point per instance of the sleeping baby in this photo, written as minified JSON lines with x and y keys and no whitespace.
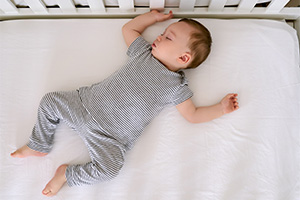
{"x":111,"y":115}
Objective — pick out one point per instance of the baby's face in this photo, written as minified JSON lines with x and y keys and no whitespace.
{"x":170,"y":45}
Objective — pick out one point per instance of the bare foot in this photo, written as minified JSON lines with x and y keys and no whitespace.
{"x":56,"y":182}
{"x":25,"y":151}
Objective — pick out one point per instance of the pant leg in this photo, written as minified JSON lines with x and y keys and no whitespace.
{"x":55,"y":107}
{"x":107,"y":155}
{"x":107,"y":158}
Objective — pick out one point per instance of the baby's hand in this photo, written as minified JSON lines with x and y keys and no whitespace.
{"x":161,"y":16}
{"x":229,"y":103}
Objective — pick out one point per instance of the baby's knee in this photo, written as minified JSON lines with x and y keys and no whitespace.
{"x":48,"y":99}
{"x":109,"y":172}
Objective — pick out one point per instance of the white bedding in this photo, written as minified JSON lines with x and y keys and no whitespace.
{"x":253,"y":153}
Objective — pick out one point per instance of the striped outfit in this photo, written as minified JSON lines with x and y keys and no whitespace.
{"x":110,"y":115}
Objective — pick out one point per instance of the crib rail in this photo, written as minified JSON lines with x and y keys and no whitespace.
{"x":126,"y":8}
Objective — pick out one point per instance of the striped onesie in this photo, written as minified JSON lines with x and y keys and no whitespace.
{"x":109,"y":116}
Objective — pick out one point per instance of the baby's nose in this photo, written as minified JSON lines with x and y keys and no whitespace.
{"x":158,"y":38}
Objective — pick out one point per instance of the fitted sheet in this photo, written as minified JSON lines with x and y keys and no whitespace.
{"x":252,"y":153}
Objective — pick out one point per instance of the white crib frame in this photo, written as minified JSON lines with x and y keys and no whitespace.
{"x":216,"y":9}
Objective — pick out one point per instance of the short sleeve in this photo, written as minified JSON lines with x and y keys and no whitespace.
{"x":182,"y":94}
{"x":138,"y":46}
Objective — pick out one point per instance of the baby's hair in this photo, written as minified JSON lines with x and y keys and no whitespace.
{"x":200,"y":42}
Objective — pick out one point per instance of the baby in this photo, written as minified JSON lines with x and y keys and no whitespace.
{"x":109,"y":116}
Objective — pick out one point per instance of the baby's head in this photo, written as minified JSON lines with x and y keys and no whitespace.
{"x":184,"y":44}
{"x":199,"y":43}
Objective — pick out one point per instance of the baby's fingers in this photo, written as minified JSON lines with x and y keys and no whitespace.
{"x":167,"y":16}
{"x":235,"y":104}
{"x":162,"y":17}
{"x":232,"y":95}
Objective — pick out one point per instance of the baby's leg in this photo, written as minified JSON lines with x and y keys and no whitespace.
{"x":106,"y":164}
{"x":49,"y":115}
{"x":53,"y":108}
{"x":25,"y":151}
{"x":107,"y":157}
{"x":56,"y":183}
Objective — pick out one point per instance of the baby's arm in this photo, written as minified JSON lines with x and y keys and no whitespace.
{"x":135,"y":27}
{"x":207,"y":113}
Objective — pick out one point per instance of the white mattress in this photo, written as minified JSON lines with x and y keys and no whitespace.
{"x":253,"y":153}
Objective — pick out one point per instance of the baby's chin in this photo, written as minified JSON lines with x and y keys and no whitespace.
{"x":154,"y":54}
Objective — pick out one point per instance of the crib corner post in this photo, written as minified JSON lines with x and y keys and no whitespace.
{"x":297,"y":27}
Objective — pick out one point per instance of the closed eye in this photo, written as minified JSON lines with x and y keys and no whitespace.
{"x":168,"y":38}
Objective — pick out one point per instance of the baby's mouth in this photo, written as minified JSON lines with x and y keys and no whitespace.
{"x":153,"y":45}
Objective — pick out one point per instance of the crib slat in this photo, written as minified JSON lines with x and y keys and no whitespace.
{"x":216,"y":5}
{"x":37,"y":6}
{"x":157,"y":4}
{"x":276,"y":5}
{"x":8,"y":7}
{"x":187,"y":5}
{"x":67,"y":6}
{"x":126,"y":5}
{"x":96,"y":6}
{"x":246,"y":5}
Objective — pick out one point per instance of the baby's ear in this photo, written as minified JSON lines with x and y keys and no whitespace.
{"x":184,"y":59}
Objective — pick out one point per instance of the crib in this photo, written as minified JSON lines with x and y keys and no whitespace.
{"x":252,"y":153}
